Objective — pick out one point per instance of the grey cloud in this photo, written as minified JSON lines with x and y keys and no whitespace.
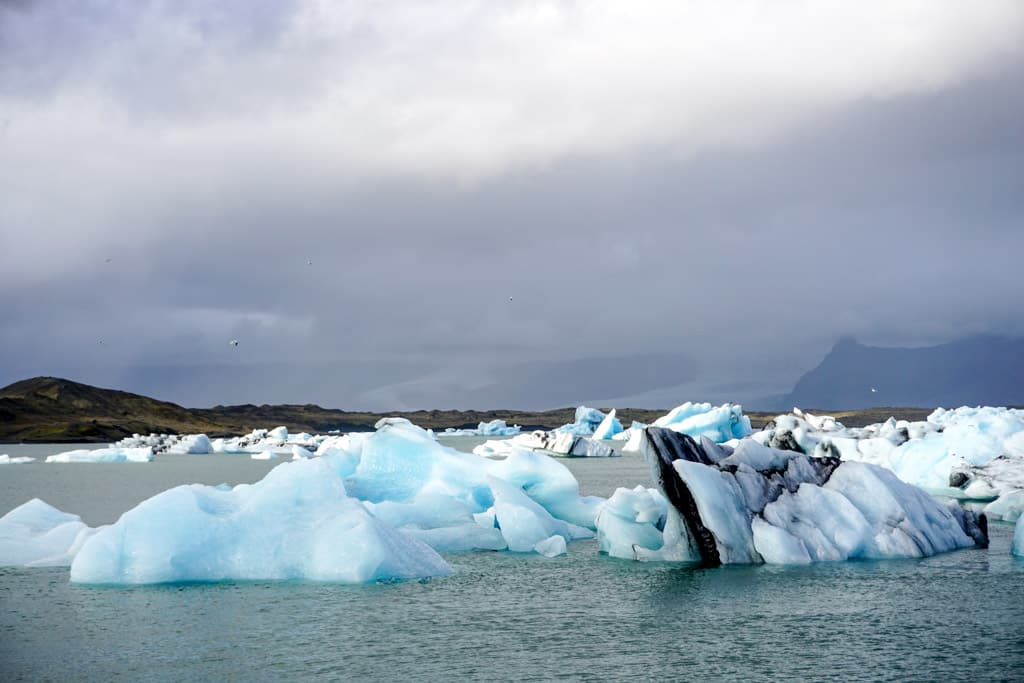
{"x":635,"y":274}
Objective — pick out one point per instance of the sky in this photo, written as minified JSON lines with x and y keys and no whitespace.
{"x":529,"y":204}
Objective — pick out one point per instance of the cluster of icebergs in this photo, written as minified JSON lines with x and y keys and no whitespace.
{"x":373,"y":506}
{"x":968,"y":453}
{"x":382,"y":505}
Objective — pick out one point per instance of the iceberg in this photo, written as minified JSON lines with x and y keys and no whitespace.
{"x":699,"y":420}
{"x":265,"y":455}
{"x":631,"y":519}
{"x":8,"y":460}
{"x":36,"y":534}
{"x":192,"y":444}
{"x":564,"y":443}
{"x":277,"y":440}
{"x":587,"y":420}
{"x":609,"y":427}
{"x":754,"y":504}
{"x":968,"y":453}
{"x":296,"y":523}
{"x":492,"y":428}
{"x":104,"y":455}
{"x":1018,"y":539}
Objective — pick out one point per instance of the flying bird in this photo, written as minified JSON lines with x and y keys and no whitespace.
{"x":874,"y":391}
{"x":233,"y":342}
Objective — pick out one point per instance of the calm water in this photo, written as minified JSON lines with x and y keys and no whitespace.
{"x":958,"y":616}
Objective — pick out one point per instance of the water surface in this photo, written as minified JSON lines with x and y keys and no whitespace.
{"x":504,"y":616}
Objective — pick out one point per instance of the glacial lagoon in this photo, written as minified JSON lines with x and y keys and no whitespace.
{"x":501,"y":616}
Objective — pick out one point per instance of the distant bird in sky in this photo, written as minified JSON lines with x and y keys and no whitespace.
{"x":874,"y":391}
{"x":101,"y":341}
{"x":108,"y":259}
{"x":309,"y":262}
{"x":233,"y":342}
{"x":510,"y":299}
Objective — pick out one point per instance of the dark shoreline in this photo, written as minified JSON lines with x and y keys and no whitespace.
{"x":53,"y":410}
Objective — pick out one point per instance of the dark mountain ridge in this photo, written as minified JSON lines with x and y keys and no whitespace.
{"x":980,"y":370}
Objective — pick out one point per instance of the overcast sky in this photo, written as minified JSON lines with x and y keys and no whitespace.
{"x":484,"y":204}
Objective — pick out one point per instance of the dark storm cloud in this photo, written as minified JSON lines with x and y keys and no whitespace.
{"x":607,"y":263}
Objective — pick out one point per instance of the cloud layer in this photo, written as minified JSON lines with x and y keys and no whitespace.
{"x":705,"y":193}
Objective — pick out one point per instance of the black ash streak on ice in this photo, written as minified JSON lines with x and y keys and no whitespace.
{"x":664,"y":447}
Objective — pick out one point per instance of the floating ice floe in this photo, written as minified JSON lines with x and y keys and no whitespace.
{"x":35,"y":534}
{"x":265,"y":455}
{"x":371,"y":507}
{"x":564,"y":443}
{"x":492,"y":428}
{"x":699,"y":420}
{"x":8,"y":460}
{"x":104,"y":455}
{"x":970,"y":453}
{"x":756,"y":504}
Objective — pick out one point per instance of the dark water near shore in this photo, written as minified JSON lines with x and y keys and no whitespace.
{"x":502,"y":616}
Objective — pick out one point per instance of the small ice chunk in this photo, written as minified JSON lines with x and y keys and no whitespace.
{"x":264,"y":455}
{"x":8,"y":460}
{"x":553,"y":546}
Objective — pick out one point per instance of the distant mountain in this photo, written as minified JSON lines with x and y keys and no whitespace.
{"x":54,"y":409}
{"x":983,"y":370}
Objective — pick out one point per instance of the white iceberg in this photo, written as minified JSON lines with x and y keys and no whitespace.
{"x":971,"y":453}
{"x":36,"y":534}
{"x":755,"y":504}
{"x":8,"y":460}
{"x":192,"y":444}
{"x":277,"y":440}
{"x":609,"y":427}
{"x":265,"y":455}
{"x":104,"y":455}
{"x":494,"y":448}
{"x":564,"y":443}
{"x":553,"y":546}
